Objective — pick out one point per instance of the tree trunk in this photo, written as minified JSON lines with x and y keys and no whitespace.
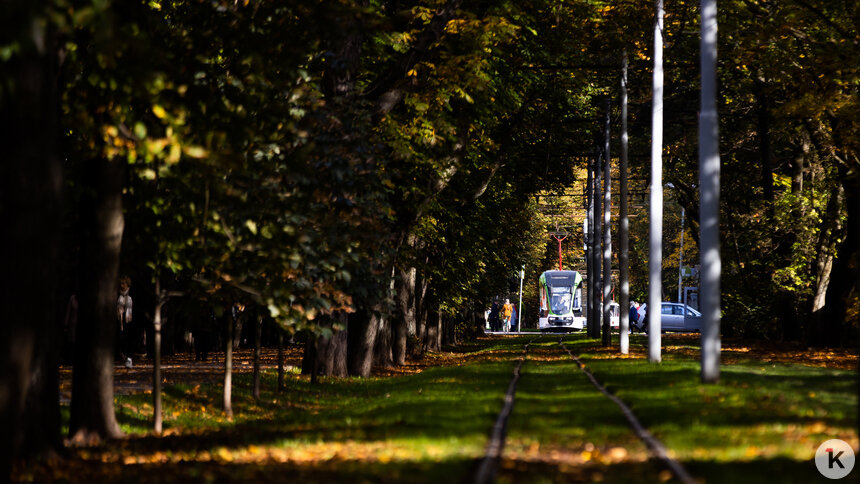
{"x":403,"y":322}
{"x":421,"y":307}
{"x":830,"y":233}
{"x":832,"y":329}
{"x":433,"y":335}
{"x":280,"y":360}
{"x":31,"y":183}
{"x":92,"y":409}
{"x":326,"y":355}
{"x":258,"y":336}
{"x":237,"y":332}
{"x":228,"y":368}
{"x":383,"y":354}
{"x":363,"y":326}
{"x":763,"y":129}
{"x":156,"y":360}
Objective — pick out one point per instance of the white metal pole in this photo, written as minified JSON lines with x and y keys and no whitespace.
{"x":624,"y":223}
{"x":709,"y":183}
{"x":607,"y":235}
{"x":681,"y":259}
{"x":520,"y":310}
{"x":655,"y":255}
{"x":596,"y":231}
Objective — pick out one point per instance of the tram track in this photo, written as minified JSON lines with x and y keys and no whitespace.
{"x":657,"y":449}
{"x":493,"y":454}
{"x":490,"y":463}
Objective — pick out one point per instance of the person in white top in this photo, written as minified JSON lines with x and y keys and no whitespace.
{"x":123,"y":316}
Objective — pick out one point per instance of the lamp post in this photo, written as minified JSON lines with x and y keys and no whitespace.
{"x":520,"y":310}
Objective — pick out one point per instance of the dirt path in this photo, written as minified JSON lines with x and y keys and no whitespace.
{"x":182,"y":368}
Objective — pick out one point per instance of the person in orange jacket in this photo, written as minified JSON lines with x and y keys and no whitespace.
{"x":507,"y":311}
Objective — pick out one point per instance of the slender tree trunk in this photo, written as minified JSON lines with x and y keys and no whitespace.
{"x":156,"y":360}
{"x":237,"y":332}
{"x":92,"y":409}
{"x":763,"y":133}
{"x":798,"y":165}
{"x":280,"y":360}
{"x":405,"y":316}
{"x":228,"y":368}
{"x":258,"y":336}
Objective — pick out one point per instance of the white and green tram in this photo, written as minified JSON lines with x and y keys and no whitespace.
{"x":561,"y":301}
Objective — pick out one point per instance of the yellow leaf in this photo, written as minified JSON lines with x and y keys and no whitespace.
{"x":159,"y":112}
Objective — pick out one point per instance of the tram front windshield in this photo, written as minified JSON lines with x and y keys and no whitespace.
{"x":562,"y":297}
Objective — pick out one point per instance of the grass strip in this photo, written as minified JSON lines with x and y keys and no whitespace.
{"x":762,"y":422}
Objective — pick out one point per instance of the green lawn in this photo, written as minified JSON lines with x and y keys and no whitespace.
{"x":762,"y":422}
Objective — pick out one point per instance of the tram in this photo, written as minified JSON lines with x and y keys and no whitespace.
{"x":561,"y":301}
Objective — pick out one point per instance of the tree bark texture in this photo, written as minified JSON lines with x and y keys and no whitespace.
{"x":362,"y":329}
{"x":832,"y":328}
{"x":404,"y":320}
{"x":92,"y":409}
{"x":258,"y":335}
{"x":830,"y":233}
{"x":227,"y":403}
{"x":280,"y":360}
{"x":30,"y":197}
{"x":327,"y":355}
{"x":433,"y":335}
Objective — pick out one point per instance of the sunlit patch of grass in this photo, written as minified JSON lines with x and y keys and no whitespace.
{"x":773,"y":415}
{"x":422,"y":427}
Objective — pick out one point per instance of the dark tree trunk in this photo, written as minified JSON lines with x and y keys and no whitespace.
{"x":258,"y":336}
{"x":92,"y":409}
{"x":403,"y":322}
{"x":362,"y":329}
{"x":421,"y":307}
{"x":763,"y":132}
{"x":833,"y":328}
{"x":831,"y":232}
{"x":433,"y":335}
{"x":280,"y":360}
{"x":237,"y":332}
{"x":156,"y":360}
{"x":383,"y":354}
{"x":449,"y":331}
{"x":326,"y":355}
{"x":30,"y":196}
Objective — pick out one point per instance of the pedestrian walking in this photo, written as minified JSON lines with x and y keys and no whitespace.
{"x":507,"y":311}
{"x":124,"y":318}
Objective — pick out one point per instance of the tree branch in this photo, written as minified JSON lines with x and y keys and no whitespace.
{"x":383,"y":90}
